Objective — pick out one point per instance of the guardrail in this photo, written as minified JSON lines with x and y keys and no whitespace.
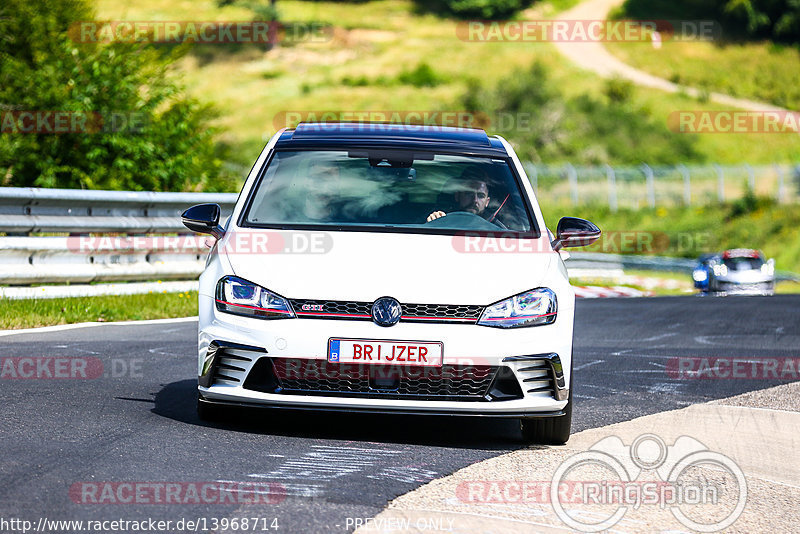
{"x":76,"y":259}
{"x":25,"y":210}
{"x":587,"y":261}
{"x":603,"y":261}
{"x":83,"y":259}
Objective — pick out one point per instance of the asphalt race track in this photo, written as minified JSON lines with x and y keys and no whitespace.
{"x":135,"y":422}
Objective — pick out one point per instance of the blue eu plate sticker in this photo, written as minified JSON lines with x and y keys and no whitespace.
{"x":333,"y":351}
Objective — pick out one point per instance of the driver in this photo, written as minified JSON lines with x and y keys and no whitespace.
{"x":472,"y":196}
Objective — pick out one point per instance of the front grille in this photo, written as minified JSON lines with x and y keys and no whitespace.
{"x":424,"y":312}
{"x":320,"y":377}
{"x":361,"y":311}
{"x":331,"y":309}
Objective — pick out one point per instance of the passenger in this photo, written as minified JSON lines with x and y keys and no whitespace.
{"x":322,"y":195}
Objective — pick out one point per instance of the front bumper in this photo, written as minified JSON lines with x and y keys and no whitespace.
{"x":379,"y":410}
{"x":246,"y":375}
{"x":732,"y":287}
{"x":232,"y":347}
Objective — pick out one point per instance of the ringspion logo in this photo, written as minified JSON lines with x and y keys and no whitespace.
{"x":593,"y":490}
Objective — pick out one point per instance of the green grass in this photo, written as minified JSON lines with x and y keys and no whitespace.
{"x":788,"y":288}
{"x":759,"y":71}
{"x":378,"y":41}
{"x":30,"y":313}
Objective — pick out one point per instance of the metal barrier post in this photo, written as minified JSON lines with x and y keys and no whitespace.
{"x":651,"y":186}
{"x":612,"y":188}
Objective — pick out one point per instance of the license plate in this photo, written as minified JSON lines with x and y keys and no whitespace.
{"x":383,"y":352}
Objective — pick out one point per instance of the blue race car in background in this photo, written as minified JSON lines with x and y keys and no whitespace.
{"x":735,"y":271}
{"x":702,"y":272}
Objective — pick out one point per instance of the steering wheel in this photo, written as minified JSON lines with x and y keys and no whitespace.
{"x":462,"y":220}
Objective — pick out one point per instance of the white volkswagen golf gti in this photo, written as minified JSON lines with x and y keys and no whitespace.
{"x":392,"y":269}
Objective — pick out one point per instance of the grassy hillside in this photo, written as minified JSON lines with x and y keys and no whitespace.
{"x":761,"y":71}
{"x":370,"y":64}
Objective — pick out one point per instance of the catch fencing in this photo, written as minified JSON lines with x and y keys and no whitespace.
{"x":651,"y":186}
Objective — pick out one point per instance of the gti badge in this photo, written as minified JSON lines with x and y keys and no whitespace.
{"x":386,"y":311}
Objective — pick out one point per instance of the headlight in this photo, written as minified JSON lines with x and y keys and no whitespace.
{"x":532,"y":308}
{"x":768,"y":268}
{"x":700,"y":275}
{"x":240,"y":297}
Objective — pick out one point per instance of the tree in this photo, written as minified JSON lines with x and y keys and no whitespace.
{"x":134,"y":127}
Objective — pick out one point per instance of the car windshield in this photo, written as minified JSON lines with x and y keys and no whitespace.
{"x":743,"y":263}
{"x":389,"y":189}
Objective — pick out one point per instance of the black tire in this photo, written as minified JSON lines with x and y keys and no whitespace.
{"x":548,"y":430}
{"x":210,"y":412}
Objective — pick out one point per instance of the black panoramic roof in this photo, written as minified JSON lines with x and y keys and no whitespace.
{"x":339,"y":135}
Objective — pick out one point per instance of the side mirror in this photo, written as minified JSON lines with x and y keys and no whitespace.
{"x":574,"y":232}
{"x":204,"y":219}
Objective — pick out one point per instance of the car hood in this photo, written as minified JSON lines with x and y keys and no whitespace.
{"x":363,"y":266}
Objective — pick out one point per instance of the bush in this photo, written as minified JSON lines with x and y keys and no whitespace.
{"x":618,"y":90}
{"x":474,"y":9}
{"x":355,"y":81}
{"x":162,"y":141}
{"x":422,"y":76}
{"x":546,"y":126}
{"x":748,"y":203}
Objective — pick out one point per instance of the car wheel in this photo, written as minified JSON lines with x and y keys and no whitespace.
{"x":208,"y":411}
{"x":548,"y":430}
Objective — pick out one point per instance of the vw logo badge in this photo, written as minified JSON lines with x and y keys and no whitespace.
{"x":386,"y":311}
